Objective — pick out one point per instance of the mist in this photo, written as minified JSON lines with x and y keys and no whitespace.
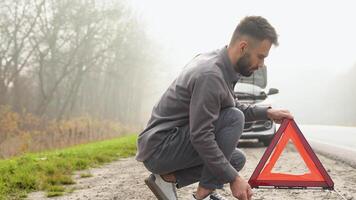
{"x":87,"y":73}
{"x":79,"y":71}
{"x":313,"y":67}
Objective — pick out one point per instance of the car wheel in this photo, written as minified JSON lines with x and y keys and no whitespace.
{"x":267,"y":141}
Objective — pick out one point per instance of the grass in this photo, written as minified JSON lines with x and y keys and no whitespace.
{"x":85,"y":175}
{"x":51,"y":170}
{"x":55,"y":190}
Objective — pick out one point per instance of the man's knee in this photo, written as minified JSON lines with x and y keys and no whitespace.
{"x":232,"y":117}
{"x":238,"y":159}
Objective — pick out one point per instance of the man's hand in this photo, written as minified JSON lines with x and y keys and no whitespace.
{"x":278,"y":115}
{"x":241,"y":189}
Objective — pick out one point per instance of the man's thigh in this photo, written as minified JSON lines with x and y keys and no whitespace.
{"x":175,"y":153}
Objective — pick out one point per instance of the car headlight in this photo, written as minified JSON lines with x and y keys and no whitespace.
{"x":268,"y":124}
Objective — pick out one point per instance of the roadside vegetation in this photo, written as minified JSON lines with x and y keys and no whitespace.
{"x":52,"y":170}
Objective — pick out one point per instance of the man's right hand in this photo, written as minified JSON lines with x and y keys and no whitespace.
{"x":241,"y":189}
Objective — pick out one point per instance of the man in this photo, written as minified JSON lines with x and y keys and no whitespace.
{"x":195,"y":127}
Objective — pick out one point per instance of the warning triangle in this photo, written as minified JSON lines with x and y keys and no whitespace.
{"x":315,"y":177}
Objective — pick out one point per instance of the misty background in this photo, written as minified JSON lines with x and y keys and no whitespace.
{"x":61,"y":59}
{"x":85,"y":70}
{"x":72,"y":72}
{"x":313,"y":67}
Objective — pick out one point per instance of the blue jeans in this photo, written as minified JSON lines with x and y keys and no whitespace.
{"x":177,"y":155}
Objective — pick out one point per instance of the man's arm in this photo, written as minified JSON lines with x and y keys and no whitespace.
{"x":261,"y":112}
{"x":207,"y":93}
{"x":253,"y":112}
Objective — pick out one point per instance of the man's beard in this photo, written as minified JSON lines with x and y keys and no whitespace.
{"x":243,"y":65}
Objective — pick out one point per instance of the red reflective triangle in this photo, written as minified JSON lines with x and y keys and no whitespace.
{"x":263,"y":175}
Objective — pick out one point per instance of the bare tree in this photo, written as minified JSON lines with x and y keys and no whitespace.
{"x":18,"y":20}
{"x":61,"y":58}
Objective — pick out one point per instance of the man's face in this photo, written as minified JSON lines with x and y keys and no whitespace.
{"x":253,"y":58}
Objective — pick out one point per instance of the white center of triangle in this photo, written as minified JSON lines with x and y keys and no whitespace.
{"x":296,"y":164}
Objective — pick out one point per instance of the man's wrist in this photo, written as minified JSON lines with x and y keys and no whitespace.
{"x":236,"y":178}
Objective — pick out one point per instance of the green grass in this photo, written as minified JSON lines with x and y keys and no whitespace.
{"x":51,"y":170}
{"x":85,"y":175}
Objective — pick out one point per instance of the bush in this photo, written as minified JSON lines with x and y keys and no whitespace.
{"x":28,"y":133}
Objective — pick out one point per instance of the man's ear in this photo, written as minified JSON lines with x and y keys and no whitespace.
{"x":243,"y":46}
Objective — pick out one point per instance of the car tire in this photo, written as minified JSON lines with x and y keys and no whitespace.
{"x":267,"y":141}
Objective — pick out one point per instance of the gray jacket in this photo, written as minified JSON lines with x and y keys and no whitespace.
{"x":196,"y":96}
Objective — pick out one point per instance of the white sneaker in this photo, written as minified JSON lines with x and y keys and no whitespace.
{"x":212,"y":196}
{"x":161,"y":189}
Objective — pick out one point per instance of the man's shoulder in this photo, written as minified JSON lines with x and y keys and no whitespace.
{"x":204,"y":64}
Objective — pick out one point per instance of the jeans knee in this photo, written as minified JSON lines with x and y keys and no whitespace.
{"x":238,"y":159}
{"x":233,"y":117}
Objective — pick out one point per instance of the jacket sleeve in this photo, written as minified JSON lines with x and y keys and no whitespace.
{"x":253,"y":112}
{"x":204,"y":109}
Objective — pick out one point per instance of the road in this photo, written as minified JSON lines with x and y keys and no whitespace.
{"x":123,"y":179}
{"x":335,"y":141}
{"x":343,"y":137}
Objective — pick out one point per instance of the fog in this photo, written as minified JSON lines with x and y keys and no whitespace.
{"x":113,"y":59}
{"x":313,"y":67}
{"x":79,"y":71}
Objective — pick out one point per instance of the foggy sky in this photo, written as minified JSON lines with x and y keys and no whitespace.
{"x":317,"y":42}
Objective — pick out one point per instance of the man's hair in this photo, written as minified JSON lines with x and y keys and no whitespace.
{"x":256,"y":27}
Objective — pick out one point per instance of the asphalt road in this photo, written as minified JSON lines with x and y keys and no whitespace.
{"x":343,"y":137}
{"x":335,"y":141}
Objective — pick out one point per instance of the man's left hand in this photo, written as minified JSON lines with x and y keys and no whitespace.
{"x":278,"y":115}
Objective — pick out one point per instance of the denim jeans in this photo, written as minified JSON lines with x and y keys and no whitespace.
{"x":177,"y":155}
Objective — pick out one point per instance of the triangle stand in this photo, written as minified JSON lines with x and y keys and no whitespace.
{"x":263,"y":175}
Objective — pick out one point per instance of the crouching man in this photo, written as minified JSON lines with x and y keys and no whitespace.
{"x":195,"y":127}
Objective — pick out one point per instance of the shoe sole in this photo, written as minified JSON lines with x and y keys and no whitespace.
{"x":150,"y":182}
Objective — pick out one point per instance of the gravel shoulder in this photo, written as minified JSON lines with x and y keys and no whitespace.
{"x":123,"y":179}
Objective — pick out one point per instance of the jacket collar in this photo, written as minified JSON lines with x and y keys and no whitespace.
{"x":231,"y":76}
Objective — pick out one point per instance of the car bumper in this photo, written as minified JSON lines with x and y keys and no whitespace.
{"x":259,"y":134}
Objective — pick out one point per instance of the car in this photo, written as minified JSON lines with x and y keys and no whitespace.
{"x":251,"y":90}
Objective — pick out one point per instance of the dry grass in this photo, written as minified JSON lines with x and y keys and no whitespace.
{"x":27,"y":133}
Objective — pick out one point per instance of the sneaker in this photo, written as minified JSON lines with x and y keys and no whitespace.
{"x":216,"y":196}
{"x":213,"y":196}
{"x":161,"y":189}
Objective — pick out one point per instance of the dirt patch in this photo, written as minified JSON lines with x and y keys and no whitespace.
{"x":123,"y":179}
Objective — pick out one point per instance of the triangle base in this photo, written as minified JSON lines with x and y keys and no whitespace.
{"x":290,"y":184}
